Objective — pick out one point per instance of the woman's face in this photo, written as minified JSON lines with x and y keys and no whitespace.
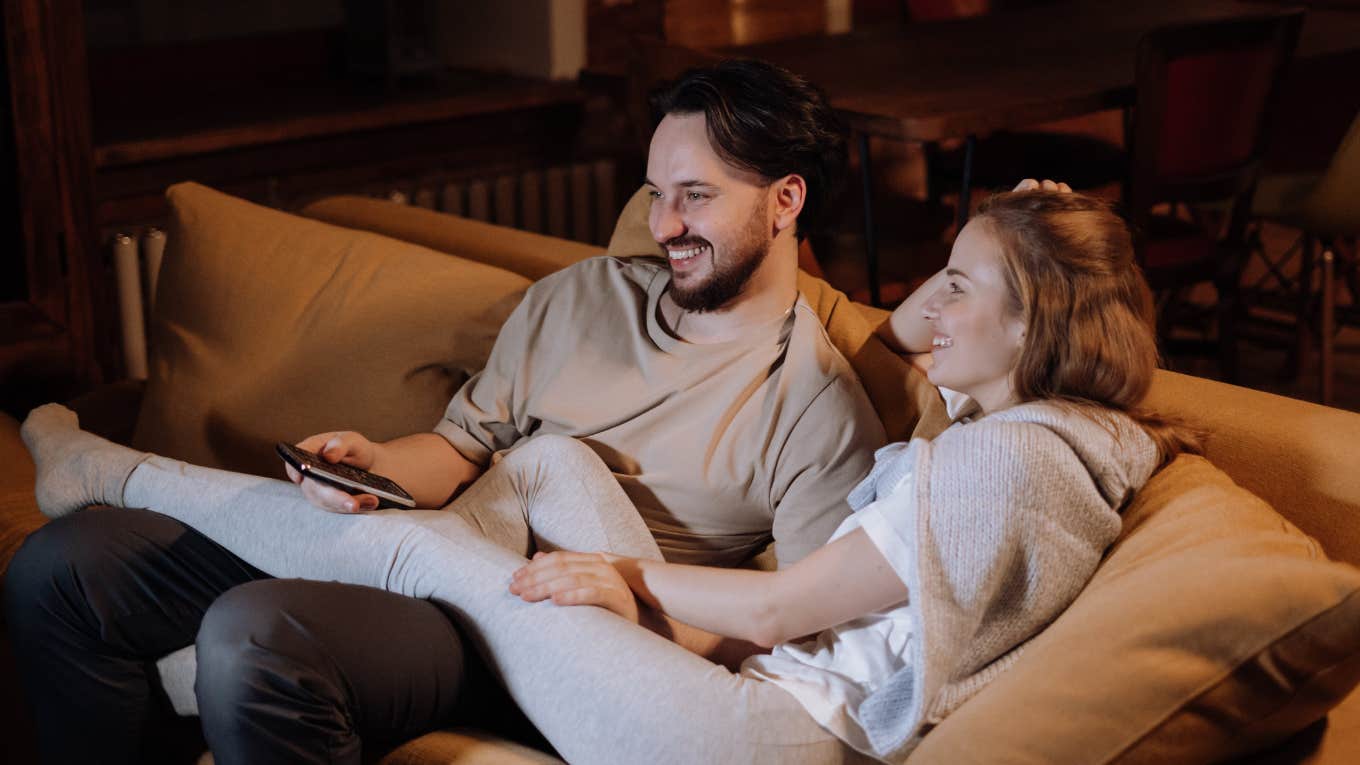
{"x":977,"y":337}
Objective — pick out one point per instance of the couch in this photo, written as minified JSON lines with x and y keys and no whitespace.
{"x":1224,"y":623}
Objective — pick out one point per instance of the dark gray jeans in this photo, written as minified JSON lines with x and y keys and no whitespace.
{"x":289,"y":671}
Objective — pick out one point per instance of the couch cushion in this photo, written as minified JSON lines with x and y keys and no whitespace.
{"x":523,"y":252}
{"x":273,"y":327}
{"x":1213,"y":628}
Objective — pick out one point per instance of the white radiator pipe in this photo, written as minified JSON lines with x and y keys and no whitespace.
{"x":128,"y":274}
{"x":153,"y":247}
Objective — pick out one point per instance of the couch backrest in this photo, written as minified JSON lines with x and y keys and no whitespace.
{"x":1297,"y":456}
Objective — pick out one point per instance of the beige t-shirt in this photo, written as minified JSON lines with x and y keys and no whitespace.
{"x":721,"y":447}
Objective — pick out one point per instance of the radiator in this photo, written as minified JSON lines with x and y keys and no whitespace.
{"x":577,"y":201}
{"x":136,"y":267}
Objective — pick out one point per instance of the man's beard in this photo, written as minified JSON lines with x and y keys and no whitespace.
{"x":730,"y":276}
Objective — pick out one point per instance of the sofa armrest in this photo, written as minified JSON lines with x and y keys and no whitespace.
{"x":528,"y":254}
{"x":1297,"y":456}
{"x":19,"y":514}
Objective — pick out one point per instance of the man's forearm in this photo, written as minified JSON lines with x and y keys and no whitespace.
{"x":426,"y":466}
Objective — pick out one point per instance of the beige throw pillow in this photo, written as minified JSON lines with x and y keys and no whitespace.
{"x":271,"y":327}
{"x":1213,"y":628}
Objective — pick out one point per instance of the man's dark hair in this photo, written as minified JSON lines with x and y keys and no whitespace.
{"x":768,"y":120}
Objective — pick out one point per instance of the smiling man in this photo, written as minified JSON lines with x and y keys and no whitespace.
{"x":703,"y":380}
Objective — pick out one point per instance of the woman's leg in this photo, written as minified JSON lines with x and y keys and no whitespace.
{"x":600,"y":689}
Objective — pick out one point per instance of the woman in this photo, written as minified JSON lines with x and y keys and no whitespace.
{"x":963,"y":548}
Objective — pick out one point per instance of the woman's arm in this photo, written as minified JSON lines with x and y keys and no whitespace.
{"x":843,"y":580}
{"x":907,"y":331}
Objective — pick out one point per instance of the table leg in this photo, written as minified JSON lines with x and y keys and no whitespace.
{"x":1328,"y":329}
{"x":870,"y":234}
{"x":966,"y":184}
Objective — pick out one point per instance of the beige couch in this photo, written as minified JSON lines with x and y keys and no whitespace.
{"x":1215,"y":627}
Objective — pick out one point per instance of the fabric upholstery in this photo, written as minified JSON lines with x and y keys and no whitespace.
{"x":1212,"y":628}
{"x":1297,"y":456}
{"x":273,"y":327}
{"x":19,"y":514}
{"x":1206,"y":93}
{"x":523,"y":252}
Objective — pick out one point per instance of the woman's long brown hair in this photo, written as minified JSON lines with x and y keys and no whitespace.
{"x":1089,"y":339}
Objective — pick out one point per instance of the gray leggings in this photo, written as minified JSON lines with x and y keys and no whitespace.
{"x":599,"y":688}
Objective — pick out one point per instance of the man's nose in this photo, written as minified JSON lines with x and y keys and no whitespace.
{"x":665,"y":221}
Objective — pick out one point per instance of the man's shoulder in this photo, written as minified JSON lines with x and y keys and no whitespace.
{"x":596,"y":281}
{"x":638,"y":268}
{"x":812,"y":352}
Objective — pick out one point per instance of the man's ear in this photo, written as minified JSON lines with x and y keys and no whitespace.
{"x":790,"y":192}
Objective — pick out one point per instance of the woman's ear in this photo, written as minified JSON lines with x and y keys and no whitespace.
{"x":790,"y":193}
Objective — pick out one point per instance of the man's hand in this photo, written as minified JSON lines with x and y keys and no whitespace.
{"x":348,"y":447}
{"x":576,"y":579}
{"x":1029,"y":184}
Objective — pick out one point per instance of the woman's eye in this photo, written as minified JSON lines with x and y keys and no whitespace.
{"x":954,"y":288}
{"x":654,"y":194}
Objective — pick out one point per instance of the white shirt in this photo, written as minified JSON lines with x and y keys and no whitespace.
{"x":832,"y":674}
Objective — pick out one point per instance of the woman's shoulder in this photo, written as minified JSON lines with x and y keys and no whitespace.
{"x":1045,"y":436}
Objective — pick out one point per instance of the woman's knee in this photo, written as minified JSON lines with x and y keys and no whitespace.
{"x":554,"y":453}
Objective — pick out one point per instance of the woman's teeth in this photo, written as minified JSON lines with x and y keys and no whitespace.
{"x":941,"y":342}
{"x":686,"y":254}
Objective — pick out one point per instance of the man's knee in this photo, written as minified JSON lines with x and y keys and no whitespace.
{"x":250,"y":636}
{"x":68,"y":562}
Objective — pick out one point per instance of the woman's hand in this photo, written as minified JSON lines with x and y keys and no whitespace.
{"x":349,"y":448}
{"x":1030,"y":184}
{"x":576,"y":579}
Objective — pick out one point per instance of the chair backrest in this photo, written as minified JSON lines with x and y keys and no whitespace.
{"x":1333,"y":206}
{"x":1204,"y":90}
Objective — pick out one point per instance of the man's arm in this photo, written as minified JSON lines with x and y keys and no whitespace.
{"x":424,"y":464}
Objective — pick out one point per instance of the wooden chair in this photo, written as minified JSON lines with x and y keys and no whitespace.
{"x":1325,"y":208}
{"x":1197,"y":136}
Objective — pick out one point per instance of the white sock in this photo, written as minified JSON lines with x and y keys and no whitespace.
{"x":76,"y":469}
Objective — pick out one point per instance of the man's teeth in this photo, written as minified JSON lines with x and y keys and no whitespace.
{"x":942,"y":342}
{"x":686,"y":254}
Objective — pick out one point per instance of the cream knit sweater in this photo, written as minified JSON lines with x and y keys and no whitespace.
{"x":1011,"y":514}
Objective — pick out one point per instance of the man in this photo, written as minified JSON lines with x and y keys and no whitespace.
{"x":703,"y":381}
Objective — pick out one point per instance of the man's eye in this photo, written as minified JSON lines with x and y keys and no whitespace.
{"x":654,"y":194}
{"x":954,"y":288}
{"x":695,"y":196}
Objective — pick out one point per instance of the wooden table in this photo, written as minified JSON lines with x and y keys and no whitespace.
{"x":959,"y":79}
